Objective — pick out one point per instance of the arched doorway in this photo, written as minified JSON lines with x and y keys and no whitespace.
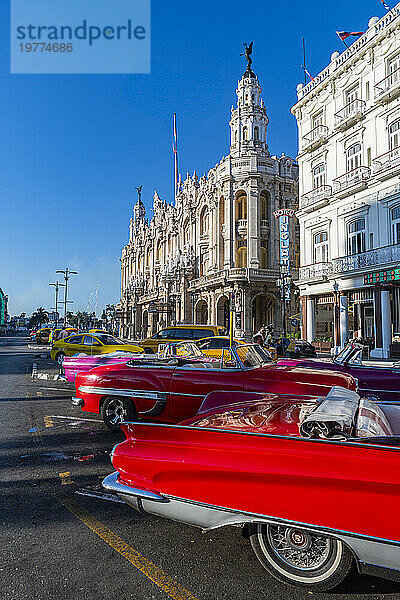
{"x":223,"y":312}
{"x":201,"y":312}
{"x":262,"y":312}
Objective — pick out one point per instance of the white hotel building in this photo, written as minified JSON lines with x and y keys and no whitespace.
{"x":349,"y":212}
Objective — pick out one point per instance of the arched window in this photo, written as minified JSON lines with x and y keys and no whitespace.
{"x":158,"y":252}
{"x":244,"y":133}
{"x":263,"y":258}
{"x":356,"y":236}
{"x":186,"y":232}
{"x":147,"y":257}
{"x":241,"y":206}
{"x":204,"y":221}
{"x":256,"y":133}
{"x":321,"y":247}
{"x":319,"y":176}
{"x":222,"y":210}
{"x":241,"y":258}
{"x":264,"y":203}
{"x":354,"y":157}
{"x":394,"y":135}
{"x":235,"y":136}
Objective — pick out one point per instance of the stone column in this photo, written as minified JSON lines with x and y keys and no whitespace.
{"x":303,"y":321}
{"x":344,"y":319}
{"x":377,"y":352}
{"x":386,"y":322}
{"x":310,"y":326}
{"x":252,"y":225}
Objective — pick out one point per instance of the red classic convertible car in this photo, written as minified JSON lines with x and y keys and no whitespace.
{"x":173,"y":389}
{"x":316,"y":481}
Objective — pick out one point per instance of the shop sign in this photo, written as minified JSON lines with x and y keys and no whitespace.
{"x":382,"y":276}
{"x":284,"y":215}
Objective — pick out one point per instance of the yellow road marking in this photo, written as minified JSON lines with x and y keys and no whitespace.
{"x":149,"y":569}
{"x":48,"y":421}
{"x":65,"y":478}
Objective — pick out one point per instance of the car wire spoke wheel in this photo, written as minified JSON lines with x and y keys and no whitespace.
{"x":299,"y":549}
{"x":300,"y":557}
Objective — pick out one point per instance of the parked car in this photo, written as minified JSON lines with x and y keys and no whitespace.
{"x":89,"y":344}
{"x":173,"y":389}
{"x":80,"y":363}
{"x":294,"y":348}
{"x":212,"y":346}
{"x":381,"y":382}
{"x":180,"y":333}
{"x":315,"y":483}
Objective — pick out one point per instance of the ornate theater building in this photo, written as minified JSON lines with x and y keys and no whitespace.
{"x":219,"y":238}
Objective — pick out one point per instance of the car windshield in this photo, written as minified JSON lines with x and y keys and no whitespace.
{"x":109,"y":340}
{"x":350,"y":354}
{"x":250,"y":355}
{"x":185,"y":349}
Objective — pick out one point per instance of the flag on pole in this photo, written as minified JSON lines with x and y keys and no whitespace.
{"x":345,"y":34}
{"x":385,"y":5}
{"x":307,"y":73}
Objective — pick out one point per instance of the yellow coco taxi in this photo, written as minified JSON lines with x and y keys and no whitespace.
{"x":88,"y":343}
{"x":213,"y":346}
{"x":180,"y":333}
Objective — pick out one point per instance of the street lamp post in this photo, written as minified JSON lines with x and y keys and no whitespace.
{"x":56,"y":286}
{"x":67,"y":274}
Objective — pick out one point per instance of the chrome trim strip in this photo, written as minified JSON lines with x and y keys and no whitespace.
{"x":269,"y":435}
{"x":152,"y":395}
{"x":111,"y":483}
{"x":368,"y":390}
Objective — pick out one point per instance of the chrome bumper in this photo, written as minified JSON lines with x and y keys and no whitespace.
{"x":77,"y":402}
{"x":112,"y":484}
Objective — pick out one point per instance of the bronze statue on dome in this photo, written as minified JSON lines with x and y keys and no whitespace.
{"x":247,"y":54}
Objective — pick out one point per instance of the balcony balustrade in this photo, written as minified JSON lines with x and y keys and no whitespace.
{"x":370,"y":258}
{"x":350,"y":113}
{"x":315,"y":271}
{"x":351,"y":181}
{"x":387,"y":164}
{"x":389,"y":87}
{"x":315,"y":137}
{"x":317,"y":195}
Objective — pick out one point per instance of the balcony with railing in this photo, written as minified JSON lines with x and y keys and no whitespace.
{"x":318,"y":196}
{"x":351,"y":182}
{"x":241,"y":226}
{"x":315,"y":137}
{"x":349,"y":114}
{"x":387,"y":165}
{"x":317,"y":271}
{"x":389,"y":87}
{"x":369,"y":259}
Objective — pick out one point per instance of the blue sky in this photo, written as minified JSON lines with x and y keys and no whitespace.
{"x":73,"y":147}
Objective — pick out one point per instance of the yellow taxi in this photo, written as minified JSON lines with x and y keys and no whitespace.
{"x":54,"y":333}
{"x":96,"y":331}
{"x":181,"y":333}
{"x":42,"y":335}
{"x":213,"y":346}
{"x":87,"y":343}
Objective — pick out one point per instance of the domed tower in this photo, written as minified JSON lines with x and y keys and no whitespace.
{"x":249,"y":119}
{"x":139,"y":211}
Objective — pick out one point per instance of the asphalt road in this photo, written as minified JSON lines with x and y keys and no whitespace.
{"x":60,"y":540}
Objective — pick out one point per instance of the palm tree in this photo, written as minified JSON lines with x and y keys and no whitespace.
{"x":42,"y":315}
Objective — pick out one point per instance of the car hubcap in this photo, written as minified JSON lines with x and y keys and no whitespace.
{"x":300,"y":549}
{"x":116,"y":411}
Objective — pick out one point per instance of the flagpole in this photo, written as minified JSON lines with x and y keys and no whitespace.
{"x":304,"y":62}
{"x":175,"y":158}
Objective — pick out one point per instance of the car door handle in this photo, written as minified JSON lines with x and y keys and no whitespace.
{"x":179,"y":374}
